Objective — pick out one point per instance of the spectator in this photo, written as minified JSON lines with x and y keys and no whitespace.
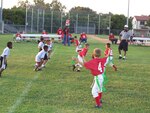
{"x":66,"y":38}
{"x":112,"y":38}
{"x":83,"y":37}
{"x":60,"y":32}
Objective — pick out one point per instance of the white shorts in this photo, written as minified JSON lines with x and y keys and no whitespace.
{"x":98,"y":84}
{"x":110,"y":60}
{"x":80,"y":60}
{"x":78,"y":48}
{"x":3,"y":65}
{"x":18,"y":38}
{"x":37,"y":59}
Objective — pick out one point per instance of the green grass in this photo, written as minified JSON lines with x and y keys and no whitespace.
{"x":105,"y":36}
{"x":57,"y":89}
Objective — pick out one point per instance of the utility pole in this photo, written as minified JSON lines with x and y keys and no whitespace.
{"x":128,"y":12}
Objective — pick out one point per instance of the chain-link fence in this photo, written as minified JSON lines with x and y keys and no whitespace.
{"x":38,"y":19}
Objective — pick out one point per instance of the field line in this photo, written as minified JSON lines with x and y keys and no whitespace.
{"x":25,"y":92}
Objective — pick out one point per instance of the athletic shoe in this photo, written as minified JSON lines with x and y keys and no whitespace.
{"x":101,"y":101}
{"x":124,"y":58}
{"x":73,"y":67}
{"x":78,"y":70}
{"x":120,"y":57}
{"x":98,"y":106}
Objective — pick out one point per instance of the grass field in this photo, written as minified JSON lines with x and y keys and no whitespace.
{"x":56,"y":89}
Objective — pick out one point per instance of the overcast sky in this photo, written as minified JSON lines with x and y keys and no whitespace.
{"x":137,"y":7}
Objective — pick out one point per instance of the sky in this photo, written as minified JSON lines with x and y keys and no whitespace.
{"x":137,"y":7}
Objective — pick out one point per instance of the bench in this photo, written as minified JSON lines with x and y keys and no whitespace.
{"x":36,"y":37}
{"x":141,"y":40}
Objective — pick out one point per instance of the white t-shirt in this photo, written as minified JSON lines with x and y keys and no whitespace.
{"x":41,"y":45}
{"x":40,"y":56}
{"x":6,"y":52}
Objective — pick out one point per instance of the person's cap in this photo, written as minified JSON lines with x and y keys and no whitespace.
{"x":126,"y":26}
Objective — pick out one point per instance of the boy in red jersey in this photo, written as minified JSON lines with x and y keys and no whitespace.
{"x":96,"y":66}
{"x":108,"y":53}
{"x":81,"y":55}
{"x":77,"y":44}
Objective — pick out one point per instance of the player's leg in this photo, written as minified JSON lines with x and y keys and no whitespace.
{"x":2,"y":66}
{"x":97,"y":89}
{"x":119,"y":49}
{"x":125,"y":49}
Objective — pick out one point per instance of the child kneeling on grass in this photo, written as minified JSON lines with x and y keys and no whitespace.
{"x":3,"y":57}
{"x":96,"y":66}
{"x":39,"y":59}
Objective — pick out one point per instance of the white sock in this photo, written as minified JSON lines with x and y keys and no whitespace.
{"x":120,"y":55}
{"x":124,"y":57}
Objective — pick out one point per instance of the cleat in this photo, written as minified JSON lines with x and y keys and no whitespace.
{"x":98,"y":106}
{"x":73,"y":67}
{"x":124,"y":58}
{"x":120,"y":57}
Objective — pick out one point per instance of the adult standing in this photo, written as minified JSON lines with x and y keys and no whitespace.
{"x":66,"y":37}
{"x":124,"y":38}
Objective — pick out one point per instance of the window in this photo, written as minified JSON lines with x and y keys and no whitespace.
{"x":142,"y":23}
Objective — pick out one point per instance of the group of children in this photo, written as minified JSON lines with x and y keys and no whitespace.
{"x":96,"y":66}
{"x":45,"y":49}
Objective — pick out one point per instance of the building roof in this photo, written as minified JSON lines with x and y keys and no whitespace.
{"x":142,"y":18}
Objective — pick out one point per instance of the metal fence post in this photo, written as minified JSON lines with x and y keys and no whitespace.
{"x":43,"y":19}
{"x":109,"y":23}
{"x":26,"y":20}
{"x":61,"y":19}
{"x":88,"y":25}
{"x":37,"y":21}
{"x":51,"y":21}
{"x":32,"y":21}
{"x":76,"y":23}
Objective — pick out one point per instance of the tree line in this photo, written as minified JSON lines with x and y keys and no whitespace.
{"x":17,"y":14}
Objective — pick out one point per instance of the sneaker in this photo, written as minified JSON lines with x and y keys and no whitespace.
{"x":101,"y":101}
{"x":124,"y":58}
{"x":120,"y":57}
{"x":73,"y":67}
{"x":78,"y":70}
{"x":98,"y":106}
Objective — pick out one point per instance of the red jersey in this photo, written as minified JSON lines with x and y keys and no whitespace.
{"x":96,"y":65}
{"x":44,"y":33}
{"x":108,"y":52}
{"x":83,"y":52}
{"x":83,"y":36}
{"x":111,"y":36}
{"x":77,"y":42}
{"x":18,"y":35}
{"x":59,"y":31}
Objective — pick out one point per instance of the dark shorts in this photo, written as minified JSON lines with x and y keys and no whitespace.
{"x":2,"y":65}
{"x":45,"y":57}
{"x":123,"y":45}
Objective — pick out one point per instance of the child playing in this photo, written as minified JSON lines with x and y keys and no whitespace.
{"x":96,"y":66}
{"x":3,"y":57}
{"x":49,"y":43}
{"x":39,"y":59}
{"x":41,"y":44}
{"x":77,"y":44}
{"x":109,"y":53}
{"x":81,"y":55}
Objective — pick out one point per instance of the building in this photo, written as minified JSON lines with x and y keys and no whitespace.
{"x":139,"y":22}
